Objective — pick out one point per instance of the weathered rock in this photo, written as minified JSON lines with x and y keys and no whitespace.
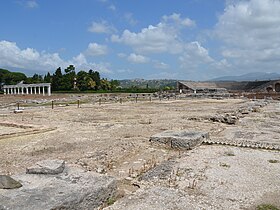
{"x":161,"y":171}
{"x":227,"y":118}
{"x":244,"y":111}
{"x":72,"y":189}
{"x":6,"y":182}
{"x":16,"y":111}
{"x":47,"y":167}
{"x":180,"y":139}
{"x":256,"y":109}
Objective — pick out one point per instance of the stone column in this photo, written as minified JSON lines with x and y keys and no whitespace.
{"x":5,"y":91}
{"x":39,"y":90}
{"x":49,"y":90}
{"x":35,"y":90}
{"x":31,"y":90}
{"x":18,"y":90}
{"x":43,"y":90}
{"x":26,"y":90}
{"x":12,"y":90}
{"x":22,"y":90}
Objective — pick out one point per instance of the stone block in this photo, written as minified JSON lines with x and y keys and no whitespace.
{"x":7,"y":182}
{"x":47,"y":167}
{"x":72,"y":189}
{"x":180,"y":139}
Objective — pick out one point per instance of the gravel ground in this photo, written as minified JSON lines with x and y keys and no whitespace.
{"x":113,"y":138}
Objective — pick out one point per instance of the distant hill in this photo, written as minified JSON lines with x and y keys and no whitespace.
{"x":10,"y":78}
{"x":142,"y":83}
{"x":249,"y":77}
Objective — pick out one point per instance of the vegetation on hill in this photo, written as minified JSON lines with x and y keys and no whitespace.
{"x":163,"y":84}
{"x":89,"y":81}
{"x":11,"y":78}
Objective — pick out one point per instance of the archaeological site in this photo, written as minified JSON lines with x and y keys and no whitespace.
{"x":198,"y":148}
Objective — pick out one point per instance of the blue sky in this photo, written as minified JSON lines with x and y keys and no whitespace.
{"x":170,"y":39}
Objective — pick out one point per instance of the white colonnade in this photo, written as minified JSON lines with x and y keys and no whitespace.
{"x":27,"y":89}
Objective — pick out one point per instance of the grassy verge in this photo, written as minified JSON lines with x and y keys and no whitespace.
{"x":111,"y":91}
{"x":267,"y":207}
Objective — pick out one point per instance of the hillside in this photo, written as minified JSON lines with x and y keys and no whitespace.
{"x":141,"y":83}
{"x":249,"y":77}
{"x":9,"y":78}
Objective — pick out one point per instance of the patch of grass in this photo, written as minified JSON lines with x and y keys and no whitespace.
{"x":267,"y":207}
{"x":224,"y":165}
{"x":229,"y":154}
{"x":111,"y":201}
{"x":273,"y":161}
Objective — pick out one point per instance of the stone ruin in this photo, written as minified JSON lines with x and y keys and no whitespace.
{"x":186,"y":140}
{"x":180,"y":139}
{"x":49,"y":184}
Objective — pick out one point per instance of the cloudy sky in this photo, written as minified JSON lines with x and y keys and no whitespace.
{"x":156,"y":39}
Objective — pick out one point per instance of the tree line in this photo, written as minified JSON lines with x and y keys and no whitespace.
{"x":63,"y":81}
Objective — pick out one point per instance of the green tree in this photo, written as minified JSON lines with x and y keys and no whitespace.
{"x":114,"y":84}
{"x":11,"y":78}
{"x":57,"y":79}
{"x":36,"y":78}
{"x":48,"y":78}
{"x":96,"y":78}
{"x":84,"y":81}
{"x":67,"y":82}
{"x":105,"y":84}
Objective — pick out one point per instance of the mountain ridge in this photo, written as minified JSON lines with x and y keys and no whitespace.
{"x":253,"y":76}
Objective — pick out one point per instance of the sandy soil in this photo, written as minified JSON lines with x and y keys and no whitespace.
{"x":113,"y":138}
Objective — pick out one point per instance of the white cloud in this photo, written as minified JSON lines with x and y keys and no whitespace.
{"x":13,"y":56}
{"x":160,"y":65}
{"x":31,"y":4}
{"x":164,"y":75}
{"x":176,"y":18}
{"x":129,"y":18}
{"x":81,"y":63}
{"x":30,"y":59}
{"x":195,"y":55}
{"x":164,"y":37}
{"x":112,"y":7}
{"x":134,"y":58}
{"x":250,"y":31}
{"x":222,"y":65}
{"x":95,"y":49}
{"x":101,"y":27}
{"x":121,"y":55}
{"x":124,"y":71}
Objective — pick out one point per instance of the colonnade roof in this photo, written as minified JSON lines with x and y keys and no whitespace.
{"x":28,"y":85}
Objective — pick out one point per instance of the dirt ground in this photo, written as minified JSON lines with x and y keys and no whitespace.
{"x":113,"y":138}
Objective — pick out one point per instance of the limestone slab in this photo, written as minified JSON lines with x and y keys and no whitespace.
{"x":180,"y":139}
{"x":47,"y":167}
{"x":72,"y":189}
{"x":7,"y":182}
